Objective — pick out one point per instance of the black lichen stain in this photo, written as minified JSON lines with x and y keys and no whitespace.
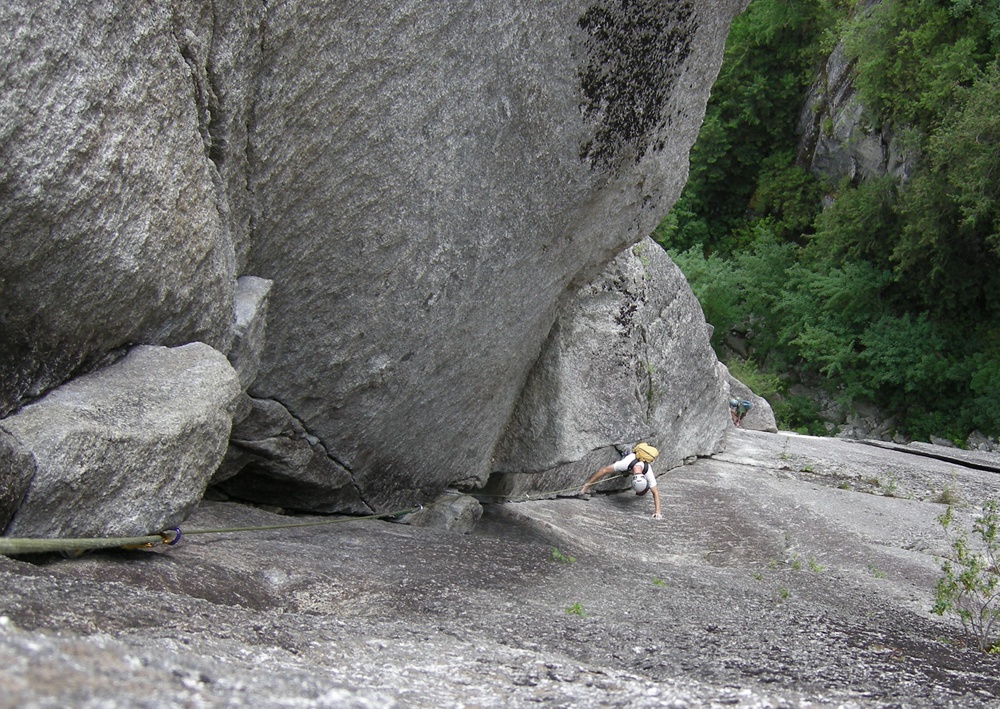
{"x":636,"y":52}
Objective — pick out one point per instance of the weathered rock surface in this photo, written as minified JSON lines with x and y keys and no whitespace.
{"x":125,"y":451}
{"x":249,"y":327}
{"x":273,"y":460}
{"x":111,"y":231}
{"x":432,"y":180}
{"x":628,"y":359}
{"x":17,"y":468}
{"x":419,"y":185}
{"x":783,"y":574}
{"x":835,"y":140}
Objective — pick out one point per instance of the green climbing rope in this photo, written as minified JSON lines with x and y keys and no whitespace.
{"x":530,"y":497}
{"x":14,"y":545}
{"x":19,"y":545}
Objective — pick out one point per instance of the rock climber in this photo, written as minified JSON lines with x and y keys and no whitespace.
{"x":643,"y":480}
{"x":738,"y":409}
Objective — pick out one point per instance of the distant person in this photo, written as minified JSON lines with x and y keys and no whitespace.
{"x":738,"y":409}
{"x":638,"y":464}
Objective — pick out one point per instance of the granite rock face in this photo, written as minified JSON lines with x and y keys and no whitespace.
{"x":17,"y":469}
{"x":835,"y":140}
{"x":272,"y":460}
{"x":457,"y":171}
{"x":628,"y":359}
{"x":402,"y":196}
{"x":111,"y":231}
{"x":249,"y":326}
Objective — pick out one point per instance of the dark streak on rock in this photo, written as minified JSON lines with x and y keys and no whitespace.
{"x":637,"y":50}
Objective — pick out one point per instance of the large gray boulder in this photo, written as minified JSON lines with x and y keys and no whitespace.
{"x":432,"y":181}
{"x":420,"y":187}
{"x":629,"y":359}
{"x":125,"y":451}
{"x":111,"y":231}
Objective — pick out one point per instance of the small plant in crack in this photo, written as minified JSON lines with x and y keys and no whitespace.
{"x":784,"y":451}
{"x":889,"y":484}
{"x":576,"y":609}
{"x":562,"y":558}
{"x":948,"y":496}
{"x":637,"y":251}
{"x":875,"y":571}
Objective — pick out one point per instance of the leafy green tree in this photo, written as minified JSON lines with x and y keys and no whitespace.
{"x":787,"y":194}
{"x":772,"y":53}
{"x":887,"y":295}
{"x":859,"y":223}
{"x":950,"y":210}
{"x":715,"y":283}
{"x":913,"y":55}
{"x":825,"y":310}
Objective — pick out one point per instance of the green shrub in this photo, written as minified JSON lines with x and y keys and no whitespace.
{"x":888,"y":295}
{"x":760,"y":382}
{"x":970,"y":586}
{"x":800,"y":414}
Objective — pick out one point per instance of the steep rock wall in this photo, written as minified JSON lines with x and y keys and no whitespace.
{"x":835,"y":140}
{"x":112,"y":226}
{"x":423,"y":185}
{"x":629,"y":359}
{"x":431,"y":181}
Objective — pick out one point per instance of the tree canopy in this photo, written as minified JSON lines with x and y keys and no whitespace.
{"x":878,"y":289}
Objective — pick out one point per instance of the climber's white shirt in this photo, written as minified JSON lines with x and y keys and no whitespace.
{"x":626,"y":463}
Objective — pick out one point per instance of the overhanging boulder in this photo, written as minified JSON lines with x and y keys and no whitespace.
{"x":112,"y":226}
{"x":424,"y":184}
{"x":433,"y":179}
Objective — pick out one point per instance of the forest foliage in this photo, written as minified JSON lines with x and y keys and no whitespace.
{"x":881,"y":289}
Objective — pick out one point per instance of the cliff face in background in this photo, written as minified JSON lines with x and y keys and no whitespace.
{"x":420,"y":190}
{"x":835,"y":141}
